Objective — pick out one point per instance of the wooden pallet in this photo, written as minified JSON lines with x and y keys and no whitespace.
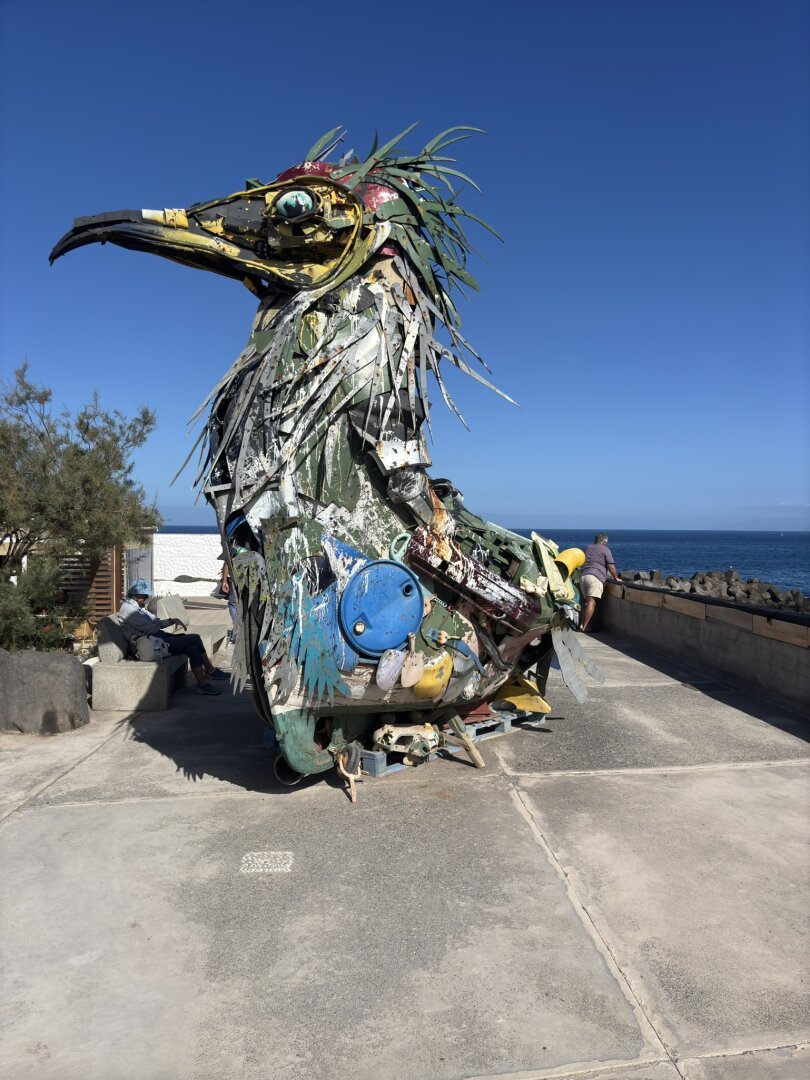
{"x":379,"y":763}
{"x":488,"y":729}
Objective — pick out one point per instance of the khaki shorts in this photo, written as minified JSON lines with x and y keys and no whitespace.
{"x":591,"y":586}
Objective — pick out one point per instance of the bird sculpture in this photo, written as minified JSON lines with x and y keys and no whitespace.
{"x":374,"y":608}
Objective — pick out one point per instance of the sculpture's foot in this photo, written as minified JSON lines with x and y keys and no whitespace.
{"x":295,"y":732}
{"x":310,"y":741}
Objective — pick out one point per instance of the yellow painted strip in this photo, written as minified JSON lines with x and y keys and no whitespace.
{"x":175,"y":219}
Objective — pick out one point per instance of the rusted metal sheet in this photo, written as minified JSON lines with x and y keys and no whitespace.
{"x":438,"y":558}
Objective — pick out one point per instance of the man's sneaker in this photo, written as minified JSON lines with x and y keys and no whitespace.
{"x":207,"y":688}
{"x":217,"y":673}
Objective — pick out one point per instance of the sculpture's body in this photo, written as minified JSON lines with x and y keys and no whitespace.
{"x":346,"y":555}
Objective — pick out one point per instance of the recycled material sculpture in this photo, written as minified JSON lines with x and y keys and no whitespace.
{"x":366,"y":587}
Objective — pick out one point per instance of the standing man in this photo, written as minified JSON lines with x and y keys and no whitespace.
{"x":598,"y":564}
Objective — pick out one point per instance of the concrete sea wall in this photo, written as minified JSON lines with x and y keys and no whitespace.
{"x":766,"y":651}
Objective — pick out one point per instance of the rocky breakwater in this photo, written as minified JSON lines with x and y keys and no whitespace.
{"x":724,"y":585}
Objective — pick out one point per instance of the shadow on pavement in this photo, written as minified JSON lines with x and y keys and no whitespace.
{"x":716,"y":686}
{"x":225,"y":743}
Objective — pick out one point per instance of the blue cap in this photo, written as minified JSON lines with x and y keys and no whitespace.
{"x":139,"y":588}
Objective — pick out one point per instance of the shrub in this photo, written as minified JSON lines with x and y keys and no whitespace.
{"x":36,"y":613}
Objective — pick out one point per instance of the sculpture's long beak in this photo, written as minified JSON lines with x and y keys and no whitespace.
{"x":299,"y":233}
{"x":175,"y":234}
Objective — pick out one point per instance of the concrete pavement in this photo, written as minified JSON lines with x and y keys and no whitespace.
{"x":621,"y":894}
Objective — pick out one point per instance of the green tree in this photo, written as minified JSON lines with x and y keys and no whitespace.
{"x":66,"y":480}
{"x":38,"y":613}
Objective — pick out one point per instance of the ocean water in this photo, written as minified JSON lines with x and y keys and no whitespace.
{"x":781,"y":559}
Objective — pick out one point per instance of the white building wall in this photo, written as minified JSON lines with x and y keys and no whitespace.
{"x":192,"y":556}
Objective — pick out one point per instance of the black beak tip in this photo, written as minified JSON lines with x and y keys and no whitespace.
{"x":63,"y":246}
{"x":94,"y":230}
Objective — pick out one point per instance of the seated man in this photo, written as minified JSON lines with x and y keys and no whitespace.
{"x":135,"y":621}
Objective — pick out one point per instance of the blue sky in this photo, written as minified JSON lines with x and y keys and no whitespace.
{"x":646,"y":163}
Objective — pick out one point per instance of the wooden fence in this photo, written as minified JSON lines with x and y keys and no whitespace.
{"x":99,"y":581}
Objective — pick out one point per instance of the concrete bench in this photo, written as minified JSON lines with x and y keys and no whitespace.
{"x":119,"y":683}
{"x":213,"y":635}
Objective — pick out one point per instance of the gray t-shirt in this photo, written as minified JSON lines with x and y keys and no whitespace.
{"x":135,"y":620}
{"x":597,"y":557}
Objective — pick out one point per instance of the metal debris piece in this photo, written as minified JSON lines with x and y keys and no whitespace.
{"x":459,"y":729}
{"x":569,"y":667}
{"x":415,"y":741}
{"x":351,"y":777}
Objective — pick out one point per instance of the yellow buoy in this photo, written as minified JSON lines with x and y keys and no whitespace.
{"x":569,"y":560}
{"x":435,"y":678}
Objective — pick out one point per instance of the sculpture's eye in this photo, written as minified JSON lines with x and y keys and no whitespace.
{"x":294,"y":205}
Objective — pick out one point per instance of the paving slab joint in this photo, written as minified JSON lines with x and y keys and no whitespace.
{"x":728,"y":1055}
{"x":586,"y":1070}
{"x":117,"y":729}
{"x":658,"y":1042}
